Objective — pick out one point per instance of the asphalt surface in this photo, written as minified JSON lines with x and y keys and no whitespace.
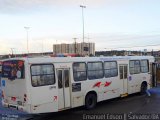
{"x":132,"y":104}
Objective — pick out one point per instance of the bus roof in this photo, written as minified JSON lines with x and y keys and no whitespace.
{"x":47,"y":59}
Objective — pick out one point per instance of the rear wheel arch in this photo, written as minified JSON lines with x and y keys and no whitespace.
{"x":144,"y":87}
{"x":90,"y":99}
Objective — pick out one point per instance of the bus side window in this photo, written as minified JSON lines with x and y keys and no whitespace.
{"x":42,"y":74}
{"x":95,"y":70}
{"x":134,"y":66}
{"x":110,"y":69}
{"x":60,"y":84}
{"x":79,"y":71}
{"x":144,"y":66}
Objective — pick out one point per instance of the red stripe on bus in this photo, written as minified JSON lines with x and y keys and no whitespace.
{"x":107,"y":84}
{"x":98,"y":84}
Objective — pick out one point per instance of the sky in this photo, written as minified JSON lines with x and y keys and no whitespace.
{"x":110,"y":24}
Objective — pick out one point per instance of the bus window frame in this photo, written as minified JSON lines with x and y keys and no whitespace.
{"x":95,"y":70}
{"x":143,"y":66}
{"x":111,"y":69}
{"x":44,"y":74}
{"x":83,"y":71}
{"x":134,"y":67}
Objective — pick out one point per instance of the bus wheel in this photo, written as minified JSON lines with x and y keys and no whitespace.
{"x":90,"y":101}
{"x":143,"y":88}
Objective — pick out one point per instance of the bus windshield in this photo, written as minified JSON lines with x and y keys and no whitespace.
{"x":13,"y":69}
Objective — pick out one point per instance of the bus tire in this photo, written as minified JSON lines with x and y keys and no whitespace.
{"x":90,"y":101}
{"x":143,"y":88}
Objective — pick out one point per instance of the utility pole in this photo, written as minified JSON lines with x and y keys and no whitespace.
{"x":75,"y":45}
{"x":88,"y":45}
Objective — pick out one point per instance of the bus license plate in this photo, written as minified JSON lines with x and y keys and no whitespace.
{"x":13,"y":106}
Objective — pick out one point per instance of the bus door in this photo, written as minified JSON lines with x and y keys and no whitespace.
{"x":155,"y":75}
{"x":123,"y":70}
{"x":64,"y":100}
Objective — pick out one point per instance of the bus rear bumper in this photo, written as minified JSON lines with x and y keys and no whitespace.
{"x":16,"y":107}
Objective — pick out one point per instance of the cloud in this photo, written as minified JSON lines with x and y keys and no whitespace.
{"x":49,"y":2}
{"x":18,"y":6}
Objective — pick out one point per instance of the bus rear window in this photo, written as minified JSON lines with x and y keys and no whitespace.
{"x":13,"y":69}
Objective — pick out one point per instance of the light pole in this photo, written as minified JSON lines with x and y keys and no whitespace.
{"x":12,"y":51}
{"x":75,"y":45}
{"x":82,"y":6}
{"x":27,"y":28}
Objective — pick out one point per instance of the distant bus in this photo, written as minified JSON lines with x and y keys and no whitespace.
{"x":48,"y":84}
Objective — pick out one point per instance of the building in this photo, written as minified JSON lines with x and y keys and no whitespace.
{"x":75,"y":48}
{"x":126,"y":53}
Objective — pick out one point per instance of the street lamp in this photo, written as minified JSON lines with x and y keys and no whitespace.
{"x":27,"y":28}
{"x":75,"y":45}
{"x":82,"y":6}
{"x":12,"y":51}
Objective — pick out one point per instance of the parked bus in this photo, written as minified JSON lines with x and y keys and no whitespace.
{"x":48,"y":84}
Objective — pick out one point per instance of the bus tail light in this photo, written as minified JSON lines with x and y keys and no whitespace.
{"x":13,"y":98}
{"x":25,"y":97}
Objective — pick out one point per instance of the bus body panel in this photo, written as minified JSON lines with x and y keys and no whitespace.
{"x":44,"y":98}
{"x":12,"y":91}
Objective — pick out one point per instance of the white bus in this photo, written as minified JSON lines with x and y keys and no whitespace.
{"x":48,"y":84}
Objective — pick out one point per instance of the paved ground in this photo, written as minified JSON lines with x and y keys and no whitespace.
{"x":132,"y":104}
